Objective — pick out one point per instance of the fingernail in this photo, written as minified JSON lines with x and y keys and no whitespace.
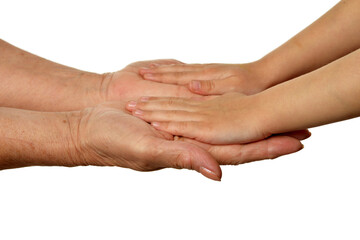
{"x":195,"y":85}
{"x":301,"y":147}
{"x":145,"y":70}
{"x":144,"y":99}
{"x":209,"y":174}
{"x":155,"y":124}
{"x":131,"y":104}
{"x":149,"y":76}
{"x":138,"y":112}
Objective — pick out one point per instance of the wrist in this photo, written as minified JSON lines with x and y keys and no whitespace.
{"x":267,"y":121}
{"x":85,"y":89}
{"x":266,"y":72}
{"x":37,"y":139}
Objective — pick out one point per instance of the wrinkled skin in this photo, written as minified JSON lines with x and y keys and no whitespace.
{"x":108,"y":136}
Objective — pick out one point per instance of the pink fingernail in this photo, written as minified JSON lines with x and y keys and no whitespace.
{"x":145,"y":70}
{"x":195,"y":85}
{"x":144,"y":99}
{"x":138,"y":112}
{"x":149,"y":76}
{"x":155,"y":124}
{"x":131,"y":104}
{"x":209,"y":174}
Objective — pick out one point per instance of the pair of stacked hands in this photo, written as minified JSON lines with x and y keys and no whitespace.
{"x":201,"y":116}
{"x":75,"y":118}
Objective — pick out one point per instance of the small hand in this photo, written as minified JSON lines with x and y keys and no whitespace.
{"x":210,"y":79}
{"x":227,"y":119}
{"x":128,"y":84}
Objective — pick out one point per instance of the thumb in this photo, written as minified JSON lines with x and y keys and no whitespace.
{"x":186,"y":155}
{"x":210,"y":87}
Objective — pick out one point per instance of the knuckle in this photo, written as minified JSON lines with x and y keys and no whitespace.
{"x":170,"y":102}
{"x":208,"y":85}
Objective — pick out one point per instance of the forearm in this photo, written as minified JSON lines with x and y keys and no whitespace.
{"x":332,"y":36}
{"x":31,"y":82}
{"x":29,"y":138}
{"x":326,"y":95}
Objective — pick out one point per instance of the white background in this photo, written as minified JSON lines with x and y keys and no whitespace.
{"x":313,"y":194}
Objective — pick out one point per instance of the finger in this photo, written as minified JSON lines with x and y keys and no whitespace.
{"x":270,"y":148}
{"x":155,"y":103}
{"x":179,"y":78}
{"x":300,"y":135}
{"x":174,"y":68}
{"x":165,"y":116}
{"x":214,"y":86}
{"x":184,"y":155}
{"x":159,"y":62}
{"x":190,"y":129}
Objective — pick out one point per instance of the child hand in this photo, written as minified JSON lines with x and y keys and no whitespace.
{"x":227,"y":119}
{"x":210,"y":79}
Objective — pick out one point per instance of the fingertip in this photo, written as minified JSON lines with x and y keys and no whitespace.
{"x":283,"y":145}
{"x":155,"y":125}
{"x":149,"y":76}
{"x":130,"y":105}
{"x":145,"y":70}
{"x":211,"y":174}
{"x":204,"y":163}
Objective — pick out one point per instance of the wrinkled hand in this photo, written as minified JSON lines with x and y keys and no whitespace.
{"x":108,"y":136}
{"x":210,"y":79}
{"x":227,"y":119}
{"x":128,"y":84}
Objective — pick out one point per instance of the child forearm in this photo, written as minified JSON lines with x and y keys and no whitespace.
{"x":329,"y":94}
{"x":332,"y":36}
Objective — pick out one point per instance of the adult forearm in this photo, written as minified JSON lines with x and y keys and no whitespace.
{"x":326,"y":95}
{"x":332,"y":36}
{"x":29,"y":138}
{"x":31,"y":82}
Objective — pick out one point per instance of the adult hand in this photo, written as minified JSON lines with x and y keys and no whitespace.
{"x":128,"y":84}
{"x":107,"y":135}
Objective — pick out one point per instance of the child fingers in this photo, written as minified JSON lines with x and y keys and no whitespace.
{"x":215,"y":86}
{"x":172,"y":68}
{"x":164,"y":116}
{"x":190,"y":129}
{"x":153,"y":103}
{"x":179,"y":78}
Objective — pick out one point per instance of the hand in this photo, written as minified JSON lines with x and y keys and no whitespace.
{"x":210,"y":79}
{"x":127,"y":84}
{"x":227,"y":119}
{"x":106,"y":135}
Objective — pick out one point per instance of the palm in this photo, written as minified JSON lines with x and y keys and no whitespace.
{"x":112,"y":137}
{"x":128,"y":84}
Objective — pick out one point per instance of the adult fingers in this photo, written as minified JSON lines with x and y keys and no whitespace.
{"x":270,"y":148}
{"x":300,"y":134}
{"x":167,"y":103}
{"x":185,"y":155}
